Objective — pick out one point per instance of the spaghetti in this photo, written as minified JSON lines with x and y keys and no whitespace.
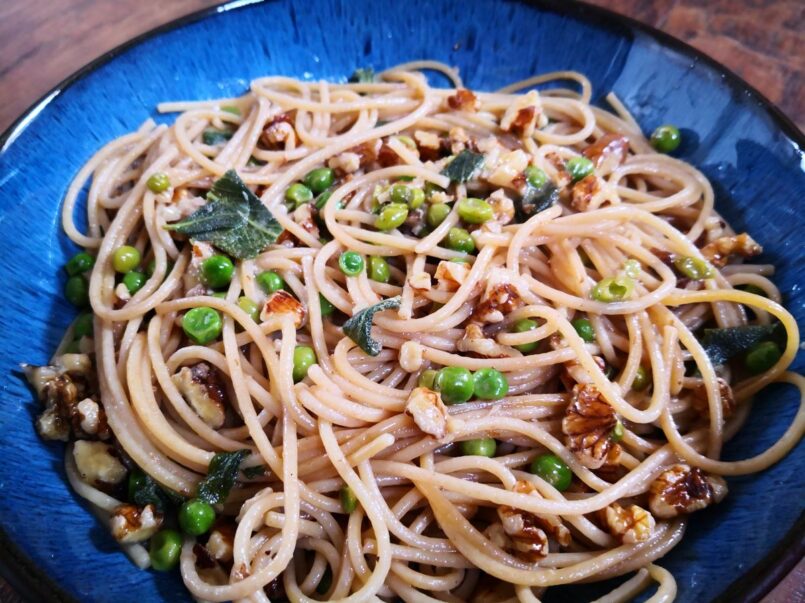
{"x":480,"y":345}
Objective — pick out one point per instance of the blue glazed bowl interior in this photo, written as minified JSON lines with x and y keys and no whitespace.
{"x":729,"y":134}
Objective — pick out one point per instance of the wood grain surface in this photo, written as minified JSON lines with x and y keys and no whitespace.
{"x":763,"y":41}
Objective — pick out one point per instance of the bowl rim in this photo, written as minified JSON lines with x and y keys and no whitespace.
{"x":32,"y":583}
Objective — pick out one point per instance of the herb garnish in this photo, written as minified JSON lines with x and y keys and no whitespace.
{"x":212,"y":137}
{"x":221,"y":475}
{"x":723,"y":344}
{"x":535,"y":199}
{"x":144,"y":490}
{"x":234,"y":220}
{"x":464,"y":166}
{"x":364,"y":75}
{"x":253,"y":472}
{"x":359,"y":327}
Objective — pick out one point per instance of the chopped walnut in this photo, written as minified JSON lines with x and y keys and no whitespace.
{"x":428,"y":411}
{"x":130,"y":523}
{"x":345,"y":163}
{"x":221,"y":541}
{"x":631,"y":524}
{"x":458,"y":140}
{"x":562,"y":178}
{"x":97,"y":463}
{"x":367,"y":151}
{"x":501,"y":296}
{"x":682,"y":489}
{"x":718,"y":251}
{"x":584,"y":191}
{"x":202,"y":386}
{"x":502,"y":206}
{"x":524,"y":115}
{"x":387,"y":156}
{"x":420,"y":282}
{"x":192,"y":276}
{"x":702,"y":405}
{"x":279,"y":131}
{"x":91,"y":417}
{"x":529,"y":531}
{"x":429,"y":144}
{"x":450,"y":275}
{"x":476,"y":342}
{"x":303,"y":215}
{"x":588,"y":423}
{"x":608,"y":152}
{"x":464,"y":100}
{"x":281,"y":302}
{"x":508,"y":169}
{"x":410,"y":356}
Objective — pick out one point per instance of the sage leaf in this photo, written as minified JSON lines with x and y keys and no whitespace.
{"x":359,"y":327}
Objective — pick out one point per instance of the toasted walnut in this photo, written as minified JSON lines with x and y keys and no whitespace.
{"x":702,"y":405}
{"x":210,"y":570}
{"x":345,"y":163}
{"x":508,"y":169}
{"x":279,"y":131}
{"x":588,"y":425}
{"x":476,"y":342}
{"x":410,"y":357}
{"x":387,"y":157}
{"x":281,"y":302}
{"x":464,"y":100}
{"x":631,"y":524}
{"x":450,"y":275}
{"x":608,"y":152}
{"x":529,"y":531}
{"x":191,"y":279}
{"x":719,"y":251}
{"x":420,"y":282}
{"x":429,"y":145}
{"x":584,"y":191}
{"x":458,"y":140}
{"x":502,"y":206}
{"x":562,"y":178}
{"x":130,"y":523}
{"x":367,"y":151}
{"x":524,"y":115}
{"x":682,"y":489}
{"x":221,"y":541}
{"x":501,"y":296}
{"x":303,"y":215}
{"x":202,"y":386}
{"x":91,"y":418}
{"x":97,"y":463}
{"x":428,"y":411}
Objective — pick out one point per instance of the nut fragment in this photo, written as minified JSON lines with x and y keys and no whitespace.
{"x":97,"y":463}
{"x":502,"y":295}
{"x":221,"y":541}
{"x":588,"y":423}
{"x":130,"y":523}
{"x":584,"y":191}
{"x":702,"y":405}
{"x":411,"y":356}
{"x":202,"y":386}
{"x":682,"y":489}
{"x":279,"y":131}
{"x":524,"y":115}
{"x":428,"y":411}
{"x":281,"y":302}
{"x":631,"y":524}
{"x":529,"y":531}
{"x":508,"y":169}
{"x":717,"y":252}
{"x":608,"y":152}
{"x":464,"y":100}
{"x":450,"y":275}
{"x":502,"y":206}
{"x":476,"y":342}
{"x":345,"y":163}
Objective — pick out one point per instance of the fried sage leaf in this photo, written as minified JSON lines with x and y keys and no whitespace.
{"x":359,"y":327}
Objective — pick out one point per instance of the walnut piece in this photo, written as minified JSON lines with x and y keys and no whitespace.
{"x":221,"y":541}
{"x":450,"y":275}
{"x":587,"y":425}
{"x":281,"y":302}
{"x":608,"y":152}
{"x":464,"y":100}
{"x":682,"y":489}
{"x":501,"y":296}
{"x":701,"y":404}
{"x":97,"y":463}
{"x":529,"y":531}
{"x":524,"y":115}
{"x":583,"y":192}
{"x":130,"y":523}
{"x":428,"y":411}
{"x":631,"y":524}
{"x":718,"y":252}
{"x":476,"y":342}
{"x":279,"y":131}
{"x":502,"y":206}
{"x":508,"y":169}
{"x":202,"y":386}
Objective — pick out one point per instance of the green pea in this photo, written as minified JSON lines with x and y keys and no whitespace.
{"x":196,"y":517}
{"x":322,"y":199}
{"x":303,"y":358}
{"x":400,"y":194}
{"x":158,"y":182}
{"x":76,"y":290}
{"x":351,"y":263}
{"x":217,"y":271}
{"x":553,"y":470}
{"x":642,"y":379}
{"x":436,"y":214}
{"x":249,"y":306}
{"x":202,"y":325}
{"x":391,"y":216}
{"x":125,"y":259}
{"x":426,"y":378}
{"x":475,"y":211}
{"x":326,"y":306}
{"x":349,"y":502}
{"x":579,"y":168}
{"x":754,"y":289}
{"x":585,"y":329}
{"x":79,"y":263}
{"x":693,"y":268}
{"x":270,"y":281}
{"x":617,"y":433}
{"x":666,"y":139}
{"x":319,"y":180}
{"x":164,"y":550}
{"x":480,"y":447}
{"x":455,"y":383}
{"x":417,"y":198}
{"x":298,"y":194}
{"x":762,"y":357}
{"x":134,"y":281}
{"x":459,"y":239}
{"x":535,"y":176}
{"x":83,"y":327}
{"x":521,"y":326}
{"x":379,"y":269}
{"x":613,"y":289}
{"x":490,"y":384}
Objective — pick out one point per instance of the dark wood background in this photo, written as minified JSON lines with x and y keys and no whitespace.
{"x":763,"y":41}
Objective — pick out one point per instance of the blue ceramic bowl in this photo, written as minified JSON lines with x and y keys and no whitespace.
{"x":53,"y":548}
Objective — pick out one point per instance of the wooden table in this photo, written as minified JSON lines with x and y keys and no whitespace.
{"x":43,"y":41}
